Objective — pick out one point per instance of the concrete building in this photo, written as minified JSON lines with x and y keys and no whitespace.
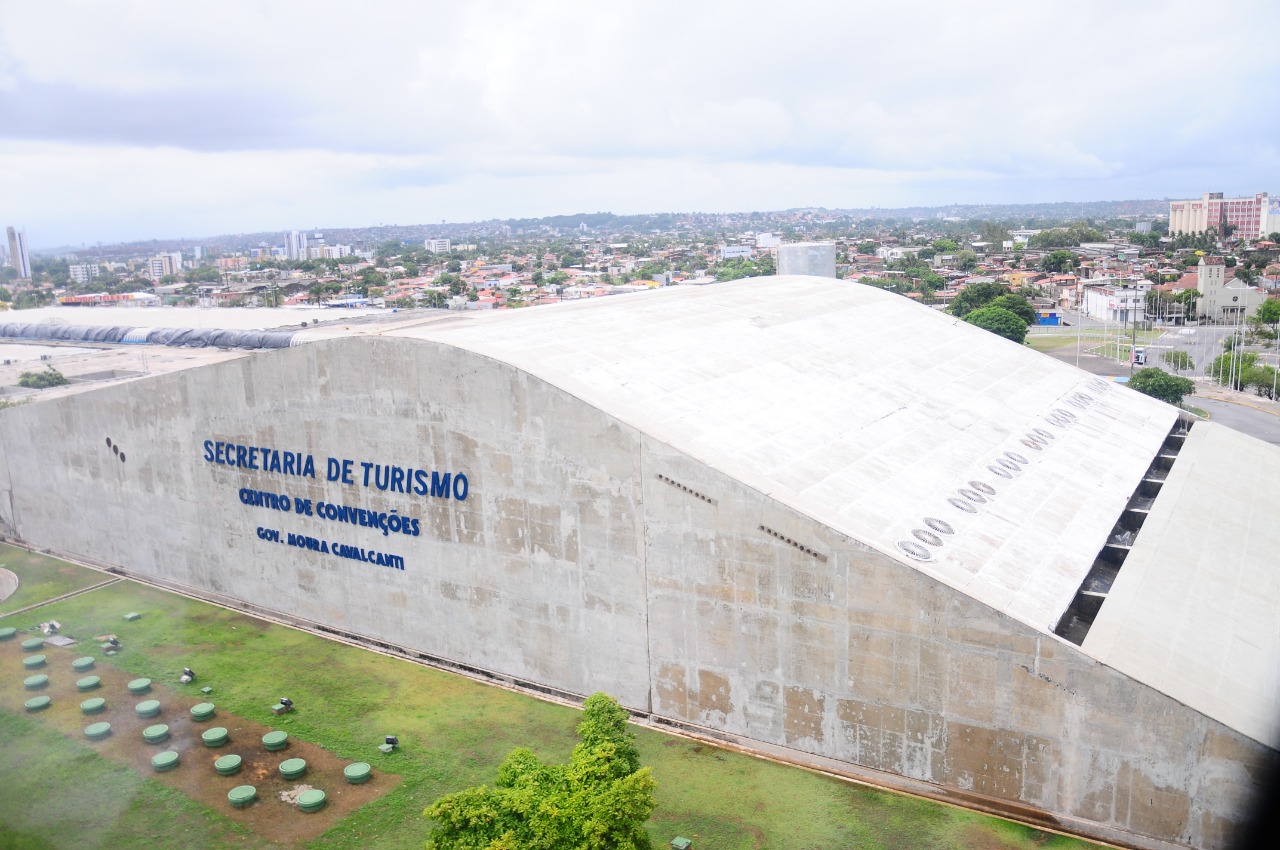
{"x":19,"y":257}
{"x":436,"y":246}
{"x":735,"y":252}
{"x":295,"y":245}
{"x":163,"y":265}
{"x":1115,"y":299}
{"x":1223,"y":298}
{"x":795,"y":514}
{"x":83,"y":272}
{"x":1249,"y":218}
{"x":807,"y":258}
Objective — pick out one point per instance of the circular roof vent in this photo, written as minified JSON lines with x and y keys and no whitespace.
{"x":939,"y":525}
{"x":914,"y":550}
{"x":926,"y":537}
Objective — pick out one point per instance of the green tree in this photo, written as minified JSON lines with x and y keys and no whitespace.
{"x":50,"y":377}
{"x":1000,"y":322}
{"x":598,"y":801}
{"x":1158,"y":383}
{"x":1229,"y":369}
{"x":1058,"y":262}
{"x":966,"y":260}
{"x":1178,"y":360}
{"x":1017,"y":305}
{"x":974,"y":296}
{"x":945,"y":246}
{"x":1262,"y":378}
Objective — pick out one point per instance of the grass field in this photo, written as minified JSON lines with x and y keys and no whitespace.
{"x":60,"y":793}
{"x":1092,"y":341}
{"x":42,"y":578}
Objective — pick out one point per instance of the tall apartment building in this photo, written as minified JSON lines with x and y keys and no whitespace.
{"x":18,"y":256}
{"x":1249,"y":218}
{"x":162,"y":265}
{"x":437,"y":246}
{"x":295,"y":244}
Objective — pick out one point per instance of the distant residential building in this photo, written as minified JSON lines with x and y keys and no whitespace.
{"x":295,"y":245}
{"x":767,"y":240}
{"x":1223,"y":298}
{"x":336,"y":252}
{"x":1142,"y":227}
{"x":18,"y":256}
{"x":437,"y":246}
{"x":808,"y":258}
{"x":197,"y":253}
{"x":163,"y":265}
{"x":83,"y":272}
{"x":1115,"y":299}
{"x":1249,"y":218}
{"x":315,"y":247}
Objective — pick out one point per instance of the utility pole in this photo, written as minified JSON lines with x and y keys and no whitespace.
{"x":1133,"y":339}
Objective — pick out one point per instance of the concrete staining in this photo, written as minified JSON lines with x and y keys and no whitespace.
{"x":695,"y":500}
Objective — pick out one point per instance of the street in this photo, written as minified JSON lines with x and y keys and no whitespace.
{"x":1245,"y":412}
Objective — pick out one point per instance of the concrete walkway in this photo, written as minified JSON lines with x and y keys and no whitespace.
{"x":8,"y":584}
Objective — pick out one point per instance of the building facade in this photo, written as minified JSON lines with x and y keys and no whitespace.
{"x":817,"y":259}
{"x":1248,"y":218}
{"x":795,"y":514}
{"x":168,"y":264}
{"x":19,"y":258}
{"x":1223,"y":298}
{"x":1112,"y":299}
{"x":83,"y":272}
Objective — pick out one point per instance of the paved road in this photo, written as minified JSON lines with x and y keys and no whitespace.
{"x":1243,"y":415}
{"x":1255,"y":423}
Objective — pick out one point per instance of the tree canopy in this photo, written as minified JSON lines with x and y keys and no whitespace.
{"x":598,"y":801}
{"x":1058,"y":261}
{"x":1158,"y":383}
{"x":1017,"y":305}
{"x":975,"y":295}
{"x":1000,"y":322}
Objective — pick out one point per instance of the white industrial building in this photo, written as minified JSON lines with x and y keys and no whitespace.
{"x":797,"y":514}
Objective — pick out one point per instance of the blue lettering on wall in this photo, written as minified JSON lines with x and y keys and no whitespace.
{"x":387,"y":477}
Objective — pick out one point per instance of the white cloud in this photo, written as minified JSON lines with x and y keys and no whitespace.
{"x":364,"y":113}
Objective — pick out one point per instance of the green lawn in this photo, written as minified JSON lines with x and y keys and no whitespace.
{"x":1091,"y":342}
{"x":453,"y":733}
{"x":41,"y":577}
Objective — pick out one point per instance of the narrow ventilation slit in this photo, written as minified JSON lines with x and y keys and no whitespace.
{"x":1076,"y":621}
{"x":676,"y":484}
{"x":812,"y":553}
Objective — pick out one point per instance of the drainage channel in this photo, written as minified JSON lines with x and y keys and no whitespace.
{"x":1083,"y":610}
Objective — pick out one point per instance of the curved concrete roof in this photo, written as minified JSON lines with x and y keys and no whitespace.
{"x":875,"y":415}
{"x":994,"y":469}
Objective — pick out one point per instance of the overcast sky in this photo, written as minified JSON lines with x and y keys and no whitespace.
{"x":127,"y":120}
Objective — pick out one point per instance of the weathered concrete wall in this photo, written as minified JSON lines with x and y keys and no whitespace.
{"x":538,"y":574}
{"x":861,"y":659}
{"x":590,"y":557}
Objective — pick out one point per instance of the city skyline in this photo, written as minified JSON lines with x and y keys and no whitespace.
{"x":237,"y":119}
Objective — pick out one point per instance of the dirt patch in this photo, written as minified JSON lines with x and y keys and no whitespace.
{"x":274,"y":816}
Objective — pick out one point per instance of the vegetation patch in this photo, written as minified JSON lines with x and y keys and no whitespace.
{"x":454,"y":734}
{"x":41,"y":578}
